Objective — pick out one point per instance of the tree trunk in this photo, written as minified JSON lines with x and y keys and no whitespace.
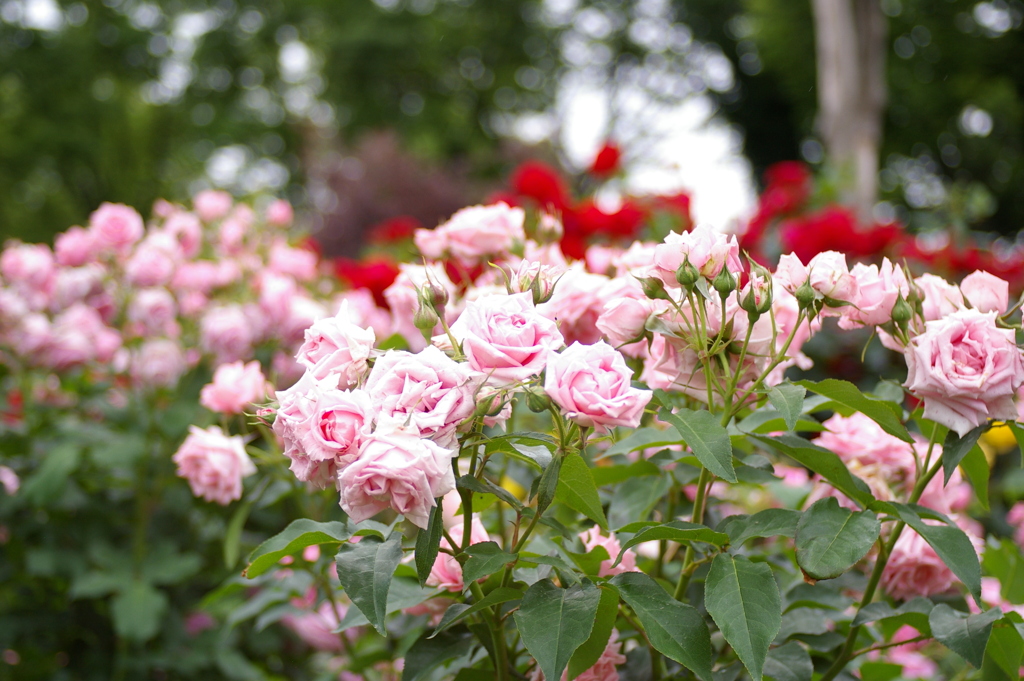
{"x":850,"y":36}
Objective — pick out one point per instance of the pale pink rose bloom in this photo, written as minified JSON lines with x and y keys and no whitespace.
{"x":637,"y":259}
{"x":534,"y":277}
{"x":336,"y":347}
{"x":285,"y":368}
{"x":948,"y":498}
{"x":164,"y":209}
{"x":576,"y":304}
{"x":226,"y":332}
{"x":231,"y":235}
{"x":116,"y":227}
{"x":303,"y":312}
{"x":153,"y":312}
{"x":28,"y":266}
{"x":186,"y":229}
{"x":78,"y":335}
{"x":601,"y":259}
{"x":914,"y":569}
{"x":940,"y":298}
{"x":966,"y":370}
{"x":297,"y":262}
{"x":13,"y":309}
{"x":75,"y":247}
{"x":830,"y":276}
{"x":506,"y":338}
{"x":30,"y":336}
{"x":446,"y":572}
{"x":275,"y":294}
{"x":605,"y":669}
{"x":151,"y":265}
{"x":338,"y":424}
{"x":707,"y":249}
{"x":9,"y":480}
{"x":214,"y":464}
{"x":316,"y":628}
{"x":915,"y":664}
{"x":429,"y":390}
{"x":158,"y":363}
{"x":431,"y":243}
{"x":192,"y":303}
{"x":791,"y":274}
{"x":291,"y":424}
{"x":593,"y":538}
{"x":364,"y":311}
{"x":986,"y":292}
{"x":403,"y":299}
{"x":858,"y":439}
{"x":235,"y":386}
{"x":1016,"y":520}
{"x":625,"y":313}
{"x":399,"y":470}
{"x":787,"y":312}
{"x":211,"y":204}
{"x":477,"y":232}
{"x":878,"y":289}
{"x":280,"y":213}
{"x":76,"y":284}
{"x":198,"y":275}
{"x":674,"y":366}
{"x":548,"y":254}
{"x":591,"y":385}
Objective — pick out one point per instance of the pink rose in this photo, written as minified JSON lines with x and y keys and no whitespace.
{"x":227,"y":333}
{"x":986,"y":292}
{"x":338,"y":424}
{"x":791,"y":274}
{"x":338,"y":348}
{"x":280,"y":213}
{"x":158,"y":363}
{"x":275,"y":295}
{"x":76,"y":284}
{"x":116,"y":227}
{"x":940,"y":298}
{"x":474,"y":233}
{"x":363,"y":311}
{"x":153,"y":312}
{"x":673,"y":365}
{"x":1016,"y":520}
{"x":211,"y":204}
{"x":303,"y":312}
{"x":602,"y":259}
{"x":593,"y":538}
{"x":831,"y":278}
{"x":591,"y":385}
{"x":707,"y":249}
{"x":214,"y":464}
{"x":858,"y":439}
{"x":429,"y":390}
{"x":78,"y":335}
{"x":292,"y":424}
{"x":316,"y":628}
{"x":878,"y":289}
{"x":536,"y":278}
{"x":506,"y":338}
{"x":625,"y":313}
{"x":446,"y":572}
{"x":153,"y":263}
{"x":9,"y":480}
{"x":297,"y":262}
{"x":235,"y":386}
{"x":75,"y":247}
{"x":914,"y":569}
{"x":966,"y":370}
{"x":576,"y":304}
{"x":29,"y":266}
{"x":400,"y":470}
{"x":198,"y":275}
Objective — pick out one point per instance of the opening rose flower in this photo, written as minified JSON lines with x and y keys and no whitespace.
{"x":214,"y":464}
{"x":708,"y":250}
{"x":474,"y":233}
{"x":506,"y":338}
{"x":336,"y":427}
{"x":877,"y":290}
{"x":234,"y":387}
{"x":591,"y":385}
{"x":966,"y":369}
{"x":337,"y":347}
{"x":292,"y":423}
{"x":986,"y":292}
{"x":400,"y":470}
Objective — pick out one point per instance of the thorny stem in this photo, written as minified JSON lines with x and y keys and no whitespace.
{"x":703,"y":482}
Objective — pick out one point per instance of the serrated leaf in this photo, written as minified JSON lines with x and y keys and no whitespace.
{"x":955,"y":448}
{"x":428,"y":542}
{"x":459,"y":611}
{"x":403,"y":594}
{"x":707,"y":438}
{"x":914,"y":612}
{"x":297,"y":536}
{"x":633,"y":500}
{"x":577,"y":490}
{"x":743,"y":599}
{"x":848,"y":399}
{"x":789,"y":662}
{"x":485,"y":558}
{"x":1005,"y":648}
{"x":554,"y":622}
{"x":975,"y":465}
{"x":590,"y":652}
{"x":831,"y":539}
{"x":427,"y":654}
{"x":137,"y":610}
{"x":547,"y":485}
{"x":771,"y":522}
{"x":644,"y":438}
{"x":966,"y":635}
{"x":951,"y":544}
{"x":675,"y":629}
{"x":677,"y":531}
{"x":487,"y":487}
{"x":590,"y":562}
{"x":365,"y":571}
{"x":788,"y":400}
{"x":824,"y":463}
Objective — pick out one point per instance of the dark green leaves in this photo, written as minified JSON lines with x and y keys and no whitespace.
{"x":678,"y":531}
{"x":710,"y":443}
{"x":365,"y":571}
{"x":770,"y":522}
{"x":676,"y":630}
{"x":428,"y":542}
{"x":588,"y":654}
{"x":429,"y":653}
{"x":956,"y":448}
{"x":848,"y":399}
{"x":966,"y":635}
{"x":823,"y":462}
{"x":831,"y":539}
{"x":485,"y":559}
{"x":137,"y":611}
{"x":951,"y":545}
{"x":789,"y":662}
{"x":577,"y":490}
{"x":297,"y":536}
{"x":788,"y":400}
{"x":554,"y":622}
{"x":459,"y":611}
{"x":743,"y":599}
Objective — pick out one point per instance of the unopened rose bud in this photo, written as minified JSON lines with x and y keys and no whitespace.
{"x":425,"y":319}
{"x":902,"y":313}
{"x":756,"y":297}
{"x":725,"y":282}
{"x":687,"y":275}
{"x":805,"y":296}
{"x":434,"y":295}
{"x":537,"y":401}
{"x":654,"y":288}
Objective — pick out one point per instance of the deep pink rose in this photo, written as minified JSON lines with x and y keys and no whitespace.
{"x":399,"y":470}
{"x":336,"y":347}
{"x":914,"y":569}
{"x":966,"y":370}
{"x":211,"y":204}
{"x":506,"y":338}
{"x":591,"y":385}
{"x":214,"y":464}
{"x":986,"y":292}
{"x":116,"y":227}
{"x":235,"y":386}
{"x":605,"y":669}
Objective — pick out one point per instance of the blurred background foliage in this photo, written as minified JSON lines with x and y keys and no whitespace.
{"x":329,"y":101}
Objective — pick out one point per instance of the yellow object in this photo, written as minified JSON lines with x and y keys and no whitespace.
{"x":517,"y":490}
{"x":998,"y":439}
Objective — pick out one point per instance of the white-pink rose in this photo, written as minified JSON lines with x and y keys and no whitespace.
{"x":234,"y":387}
{"x":338,"y":424}
{"x":966,"y":370}
{"x":878,"y":289}
{"x":576,"y":304}
{"x":297,"y":262}
{"x":153,"y":312}
{"x":475,"y":233}
{"x":211,"y":204}
{"x":939,"y":297}
{"x":214,"y":464}
{"x":593,"y":538}
{"x":226,"y":332}
{"x":830,"y":276}
{"x":791,"y":274}
{"x":280,"y":213}
{"x":403,"y":298}
{"x":707,"y":249}
{"x":591,"y":385}
{"x":291,"y":425}
{"x":986,"y":292}
{"x":337,"y":347}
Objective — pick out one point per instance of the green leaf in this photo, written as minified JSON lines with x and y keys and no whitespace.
{"x":975,"y":465}
{"x":678,"y":531}
{"x":548,"y":484}
{"x":487,"y":487}
{"x":955,"y":448}
{"x":485,"y":558}
{"x":675,"y":629}
{"x":951,"y":545}
{"x":429,"y":653}
{"x":459,"y":611}
{"x":880,"y":671}
{"x":365,"y":571}
{"x":743,"y":599}
{"x":1018,"y":434}
{"x":97,"y":584}
{"x":1006,"y":563}
{"x":966,"y":635}
{"x":823,"y":462}
{"x":1005,"y":648}
{"x":609,"y":475}
{"x":789,"y":662}
{"x":588,"y":654}
{"x":848,"y":399}
{"x":788,"y":400}
{"x":137,"y":611}
{"x":428,"y":542}
{"x":590,"y":562}
{"x":404,"y":593}
{"x":47,"y":483}
{"x":554,"y":622}
{"x":831,"y":539}
{"x":634,"y":499}
{"x":577,"y":490}
{"x":233,"y":534}
{"x":706,"y":437}
{"x":771,"y":522}
{"x":914,"y":612}
{"x":644,"y":438}
{"x":827,"y":596}
{"x":530,"y":450}
{"x":297,"y":536}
